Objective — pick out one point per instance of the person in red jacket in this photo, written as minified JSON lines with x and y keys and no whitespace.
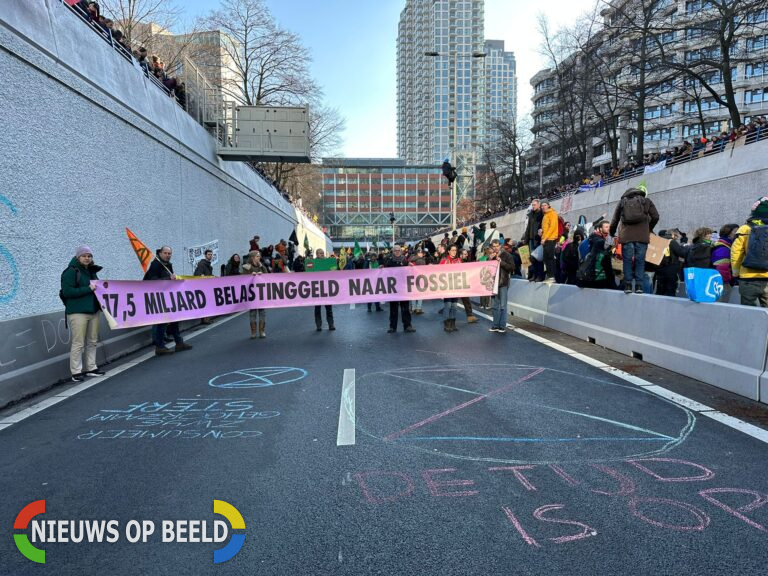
{"x":451,"y":257}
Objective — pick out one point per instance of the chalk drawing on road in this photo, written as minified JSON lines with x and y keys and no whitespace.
{"x":183,"y":418}
{"x":533,"y":418}
{"x":8,"y":268}
{"x":258,"y":377}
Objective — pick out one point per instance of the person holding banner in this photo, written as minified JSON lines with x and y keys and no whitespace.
{"x":397,"y":259}
{"x":82,"y":312}
{"x":320,"y":253}
{"x":506,"y":267}
{"x":449,"y":324}
{"x":258,"y":317}
{"x":162,"y":269}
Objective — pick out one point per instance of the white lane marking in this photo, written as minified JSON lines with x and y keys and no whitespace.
{"x":753,"y":431}
{"x":69,"y":392}
{"x":345,"y":435}
{"x":704,"y":410}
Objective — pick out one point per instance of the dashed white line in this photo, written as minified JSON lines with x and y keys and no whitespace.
{"x":345,"y":435}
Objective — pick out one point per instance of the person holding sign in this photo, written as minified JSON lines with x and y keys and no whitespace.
{"x":82,"y":312}
{"x":162,"y":269}
{"x":258,"y":316}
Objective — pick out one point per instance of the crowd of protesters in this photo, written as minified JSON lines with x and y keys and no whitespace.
{"x":610,"y":255}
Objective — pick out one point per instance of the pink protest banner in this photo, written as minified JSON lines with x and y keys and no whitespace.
{"x":128,"y":303}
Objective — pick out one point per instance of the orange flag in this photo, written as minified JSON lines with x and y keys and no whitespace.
{"x":143,"y":253}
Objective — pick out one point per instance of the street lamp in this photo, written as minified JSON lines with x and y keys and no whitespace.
{"x":454,"y":187}
{"x":392,"y":222}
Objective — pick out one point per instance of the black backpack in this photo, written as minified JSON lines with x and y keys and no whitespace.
{"x":586,"y":271}
{"x":77,"y":283}
{"x":633,"y":210}
{"x":756,"y":257}
{"x":699,"y":256}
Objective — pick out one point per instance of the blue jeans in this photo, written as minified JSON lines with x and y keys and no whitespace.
{"x":500,"y":308}
{"x":451,"y":304}
{"x":634,"y":251}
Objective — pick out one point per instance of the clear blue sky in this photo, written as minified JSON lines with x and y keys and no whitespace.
{"x":353,"y":45}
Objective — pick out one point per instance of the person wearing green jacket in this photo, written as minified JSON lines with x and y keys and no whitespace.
{"x":82,"y":310}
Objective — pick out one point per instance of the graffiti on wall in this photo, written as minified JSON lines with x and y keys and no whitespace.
{"x":9,"y":272}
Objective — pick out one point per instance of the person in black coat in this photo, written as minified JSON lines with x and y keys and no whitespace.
{"x":395,"y":260}
{"x":532,"y":237}
{"x":162,"y":269}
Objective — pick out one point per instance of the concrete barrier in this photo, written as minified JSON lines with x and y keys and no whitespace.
{"x":721,"y":344}
{"x":34,"y":352}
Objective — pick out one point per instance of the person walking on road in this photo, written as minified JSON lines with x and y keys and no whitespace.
{"x":162,"y":269}
{"x":397,"y":259}
{"x":320,"y":253}
{"x":449,"y":324}
{"x":82,"y":313}
{"x":550,"y":234}
{"x":258,"y":316}
{"x":506,"y":268}
{"x":749,"y":256}
{"x":638,"y":216}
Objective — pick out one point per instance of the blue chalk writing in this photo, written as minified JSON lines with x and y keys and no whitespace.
{"x":9,"y":293}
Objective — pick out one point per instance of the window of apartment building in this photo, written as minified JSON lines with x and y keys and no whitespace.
{"x":708,"y":103}
{"x":658,"y":135}
{"x":757,"y":43}
{"x":599,"y":150}
{"x":758,"y":95}
{"x":661,"y":111}
{"x":693,"y":6}
{"x":710,"y":77}
{"x":695,"y":129}
{"x":756,"y":69}
{"x":757,"y":16}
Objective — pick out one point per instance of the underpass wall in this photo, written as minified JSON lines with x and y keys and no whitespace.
{"x":90,"y":146}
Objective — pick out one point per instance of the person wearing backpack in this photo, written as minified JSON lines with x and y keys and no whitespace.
{"x":749,"y":256}
{"x":550,"y":233}
{"x":637,"y":215}
{"x":595,"y":270}
{"x":82,"y":313}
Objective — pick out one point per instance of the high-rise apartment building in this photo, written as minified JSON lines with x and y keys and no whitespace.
{"x":451,"y":82}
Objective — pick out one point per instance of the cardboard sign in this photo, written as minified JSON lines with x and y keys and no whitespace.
{"x":525,"y":255}
{"x":656,"y":248}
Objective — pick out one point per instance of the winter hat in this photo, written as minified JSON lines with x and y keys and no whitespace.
{"x":643,"y":187}
{"x":82,"y":250}
{"x":760,"y":209}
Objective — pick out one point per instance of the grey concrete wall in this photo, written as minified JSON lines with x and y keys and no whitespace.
{"x":707,"y":342}
{"x":89,"y":146}
{"x":709,"y":191}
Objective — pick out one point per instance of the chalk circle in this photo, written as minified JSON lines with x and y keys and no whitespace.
{"x":261,"y":377}
{"x":517,"y":414}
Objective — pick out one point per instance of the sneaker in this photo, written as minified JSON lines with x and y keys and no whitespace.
{"x":639,"y":291}
{"x":549,"y":281}
{"x":331,"y":328}
{"x":96,"y":372}
{"x":181,"y":347}
{"x":628,"y":289}
{"x":163,"y":351}
{"x":77,"y":378}
{"x":492,"y":329}
{"x":390,"y":330}
{"x":410,"y":329}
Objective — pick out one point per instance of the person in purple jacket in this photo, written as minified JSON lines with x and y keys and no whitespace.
{"x":721,"y":258}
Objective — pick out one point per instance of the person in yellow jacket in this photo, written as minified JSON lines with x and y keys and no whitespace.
{"x":753,"y":281}
{"x":550,"y":232}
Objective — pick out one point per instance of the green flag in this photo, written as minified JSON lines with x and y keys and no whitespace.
{"x":357,"y":251}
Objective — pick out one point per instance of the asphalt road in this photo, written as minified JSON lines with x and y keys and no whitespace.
{"x":474,"y":453}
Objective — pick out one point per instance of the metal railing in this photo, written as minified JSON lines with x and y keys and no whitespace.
{"x":202,"y":101}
